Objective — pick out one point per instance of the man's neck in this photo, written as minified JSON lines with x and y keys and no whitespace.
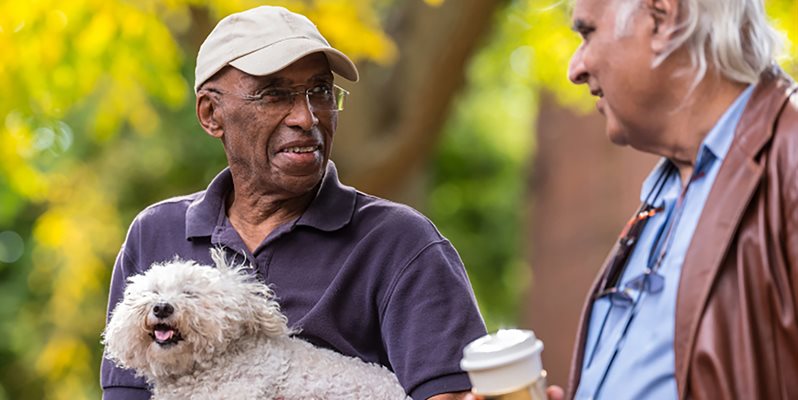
{"x":254,"y":214}
{"x":689,"y":123}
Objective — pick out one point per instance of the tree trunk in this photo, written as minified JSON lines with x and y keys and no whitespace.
{"x":584,"y":188}
{"x":393,"y":118}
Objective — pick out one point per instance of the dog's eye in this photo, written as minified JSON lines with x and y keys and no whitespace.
{"x":189,"y":294}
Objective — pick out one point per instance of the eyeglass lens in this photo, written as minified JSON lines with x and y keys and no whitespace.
{"x":319,"y":98}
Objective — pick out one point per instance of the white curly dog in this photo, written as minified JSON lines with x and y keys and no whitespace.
{"x":199,"y":332}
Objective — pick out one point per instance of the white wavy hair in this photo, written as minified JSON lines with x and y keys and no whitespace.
{"x":733,"y":35}
{"x":212,"y":308}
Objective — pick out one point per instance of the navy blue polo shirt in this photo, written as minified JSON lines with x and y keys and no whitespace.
{"x":355,"y":273}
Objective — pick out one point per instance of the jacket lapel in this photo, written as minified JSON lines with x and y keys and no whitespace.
{"x":735,"y":185}
{"x":584,"y":320}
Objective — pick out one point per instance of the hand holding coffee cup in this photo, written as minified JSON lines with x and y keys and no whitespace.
{"x":506,"y":365}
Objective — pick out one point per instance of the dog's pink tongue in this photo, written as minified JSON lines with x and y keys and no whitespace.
{"x":164,"y":335}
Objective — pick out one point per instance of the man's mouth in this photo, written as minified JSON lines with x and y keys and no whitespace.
{"x":165,"y":335}
{"x":600,"y":102}
{"x":300,"y":149}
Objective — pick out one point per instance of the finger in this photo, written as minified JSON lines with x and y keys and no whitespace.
{"x":555,"y":392}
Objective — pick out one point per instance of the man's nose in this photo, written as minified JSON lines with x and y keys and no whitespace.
{"x":577,"y":72}
{"x":162,"y":310}
{"x":301,"y":114}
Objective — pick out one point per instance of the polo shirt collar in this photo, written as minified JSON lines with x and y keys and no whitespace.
{"x":331,"y":209}
{"x":206,"y":212}
{"x":333,"y":206}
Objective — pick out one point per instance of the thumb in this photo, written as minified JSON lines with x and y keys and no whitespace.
{"x":555,"y":393}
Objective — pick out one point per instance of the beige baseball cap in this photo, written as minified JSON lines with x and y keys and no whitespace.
{"x":263,"y":40}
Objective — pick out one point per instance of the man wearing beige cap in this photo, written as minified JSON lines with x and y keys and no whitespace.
{"x":352,"y":272}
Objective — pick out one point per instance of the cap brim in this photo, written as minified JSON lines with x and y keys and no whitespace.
{"x":275,"y":57}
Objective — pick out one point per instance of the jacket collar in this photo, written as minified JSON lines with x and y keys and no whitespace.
{"x":737,"y":180}
{"x":331,"y":209}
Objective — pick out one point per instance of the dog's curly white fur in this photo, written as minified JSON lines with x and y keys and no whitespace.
{"x":199,"y":332}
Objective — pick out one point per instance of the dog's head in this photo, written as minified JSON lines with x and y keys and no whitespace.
{"x":179,"y":314}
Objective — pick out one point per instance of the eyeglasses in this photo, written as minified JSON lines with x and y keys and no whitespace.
{"x":649,"y":280}
{"x":324,"y":97}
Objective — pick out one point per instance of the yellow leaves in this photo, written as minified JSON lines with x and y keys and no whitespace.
{"x":145,"y":119}
{"x":16,"y":149}
{"x":222,"y":8}
{"x":64,"y":360}
{"x":350,"y":26}
{"x":57,"y":21}
{"x":95,"y":39}
{"x":78,"y":231}
{"x":66,"y":52}
{"x":52,"y":229}
{"x":353,"y":31}
{"x":546,"y":30}
{"x":57,"y":356}
{"x":785,"y":17}
{"x":434,"y":3}
{"x":29,"y":183}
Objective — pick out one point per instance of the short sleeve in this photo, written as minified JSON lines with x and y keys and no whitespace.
{"x":428,"y":318}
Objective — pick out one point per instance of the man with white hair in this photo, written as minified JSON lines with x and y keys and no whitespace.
{"x":354,"y":273}
{"x":699,"y":298}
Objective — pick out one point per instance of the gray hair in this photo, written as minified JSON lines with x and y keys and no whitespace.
{"x":734,"y":35}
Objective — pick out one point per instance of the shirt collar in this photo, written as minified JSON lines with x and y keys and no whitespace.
{"x":331,"y":209}
{"x":333,"y":206}
{"x":204,"y":213}
{"x":715,"y":145}
{"x":720,"y":138}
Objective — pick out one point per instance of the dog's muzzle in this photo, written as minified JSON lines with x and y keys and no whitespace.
{"x":163,"y":333}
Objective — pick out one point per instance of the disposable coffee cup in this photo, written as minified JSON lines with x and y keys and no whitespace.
{"x":506,"y":365}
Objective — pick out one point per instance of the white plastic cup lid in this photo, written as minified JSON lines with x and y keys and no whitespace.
{"x":506,"y":360}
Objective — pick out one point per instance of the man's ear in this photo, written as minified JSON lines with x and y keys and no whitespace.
{"x":665,"y":17}
{"x":209,"y":114}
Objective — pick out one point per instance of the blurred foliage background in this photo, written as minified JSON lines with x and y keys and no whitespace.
{"x":97,"y":121}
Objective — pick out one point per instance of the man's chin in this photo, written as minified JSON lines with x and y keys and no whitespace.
{"x":616,"y":135}
{"x":618,"y":140}
{"x":300,"y":184}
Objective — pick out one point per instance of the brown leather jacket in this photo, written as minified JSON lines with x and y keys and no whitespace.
{"x":736,"y":333}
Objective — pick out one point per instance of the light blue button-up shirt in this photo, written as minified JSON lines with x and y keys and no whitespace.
{"x":644,"y":365}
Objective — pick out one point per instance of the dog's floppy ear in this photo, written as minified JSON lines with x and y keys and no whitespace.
{"x":122,"y":335}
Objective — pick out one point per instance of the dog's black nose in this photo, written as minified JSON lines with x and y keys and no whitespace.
{"x":163,"y":310}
